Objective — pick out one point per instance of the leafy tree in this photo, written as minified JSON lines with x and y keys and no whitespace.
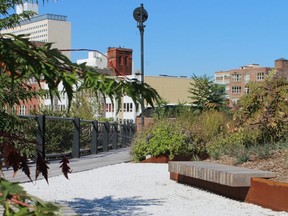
{"x":266,"y":107}
{"x":22,"y":60}
{"x":85,"y":105}
{"x":206,"y":94}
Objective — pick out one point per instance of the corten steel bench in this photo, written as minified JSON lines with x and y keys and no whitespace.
{"x":230,"y":181}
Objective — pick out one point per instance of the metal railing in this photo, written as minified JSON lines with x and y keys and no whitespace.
{"x":57,"y":137}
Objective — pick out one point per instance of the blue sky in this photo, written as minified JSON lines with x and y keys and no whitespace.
{"x":182,"y":37}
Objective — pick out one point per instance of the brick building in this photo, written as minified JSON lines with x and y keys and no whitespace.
{"x":236,"y":80}
{"x":120,"y":61}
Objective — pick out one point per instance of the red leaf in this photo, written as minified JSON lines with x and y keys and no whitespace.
{"x":65,"y":168}
{"x":25,"y":167}
{"x":11,"y":157}
{"x":41,"y":167}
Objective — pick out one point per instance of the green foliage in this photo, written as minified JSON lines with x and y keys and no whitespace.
{"x":84,"y":105}
{"x":261,"y":151}
{"x":206,"y":94}
{"x":186,"y":135}
{"x":266,"y":108}
{"x":171,"y":111}
{"x":242,"y":156}
{"x":17,"y":202}
{"x":139,"y":149}
{"x":233,"y":144}
{"x":117,"y":88}
{"x":11,"y":20}
{"x":165,"y":137}
{"x":209,"y":124}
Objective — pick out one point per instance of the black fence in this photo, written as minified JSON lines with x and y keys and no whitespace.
{"x":57,"y":137}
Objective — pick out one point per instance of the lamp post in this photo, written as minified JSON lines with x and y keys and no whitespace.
{"x":141,"y":15}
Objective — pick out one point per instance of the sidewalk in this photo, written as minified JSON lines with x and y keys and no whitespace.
{"x":76,"y":164}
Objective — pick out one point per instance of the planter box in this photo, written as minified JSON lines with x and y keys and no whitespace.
{"x":268,"y":194}
{"x":165,"y":159}
{"x":161,"y":159}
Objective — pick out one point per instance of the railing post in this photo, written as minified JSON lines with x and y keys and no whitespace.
{"x":40,"y":136}
{"x":76,"y":139}
{"x":114,"y":135}
{"x":106,"y":136}
{"x":94,"y":141}
{"x":129,"y":133}
{"x":124,"y":135}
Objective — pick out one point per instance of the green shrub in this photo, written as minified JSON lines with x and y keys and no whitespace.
{"x":185,"y":136}
{"x":14,"y":200}
{"x":233,"y":143}
{"x":242,"y":156}
{"x":139,"y":148}
{"x":208,"y":125}
{"x":261,"y":151}
{"x":167,"y":139}
{"x":164,"y":137}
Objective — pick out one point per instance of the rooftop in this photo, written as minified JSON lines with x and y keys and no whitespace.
{"x":44,"y":17}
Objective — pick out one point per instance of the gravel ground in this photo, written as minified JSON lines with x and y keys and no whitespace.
{"x":137,"y":189}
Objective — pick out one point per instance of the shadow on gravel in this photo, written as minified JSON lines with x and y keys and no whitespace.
{"x":116,"y":207}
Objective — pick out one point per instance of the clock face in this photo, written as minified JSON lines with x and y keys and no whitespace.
{"x":140,"y":14}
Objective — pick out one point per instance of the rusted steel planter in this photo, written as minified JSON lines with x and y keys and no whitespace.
{"x":160,"y":159}
{"x":268,"y":193}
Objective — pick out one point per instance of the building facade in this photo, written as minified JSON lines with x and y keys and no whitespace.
{"x":172,"y":89}
{"x":117,"y":60}
{"x":49,"y":28}
{"x":120,"y":61}
{"x":236,"y":80}
{"x":95,"y":59}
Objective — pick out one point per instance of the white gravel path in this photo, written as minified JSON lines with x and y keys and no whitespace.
{"x":137,"y":189}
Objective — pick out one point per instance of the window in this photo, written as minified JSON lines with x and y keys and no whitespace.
{"x":128,"y":107}
{"x":131,"y":107}
{"x":247,"y":77}
{"x":236,"y":77}
{"x":260,"y":76}
{"x":22,"y":110}
{"x":236,"y":89}
{"x":109,"y":107}
{"x":246,"y":90}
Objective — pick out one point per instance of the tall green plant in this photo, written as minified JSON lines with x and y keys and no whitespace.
{"x":206,"y":94}
{"x":266,"y":108}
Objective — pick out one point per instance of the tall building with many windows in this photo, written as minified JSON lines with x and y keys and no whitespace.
{"x":47,"y":28}
{"x":236,"y":80}
{"x":44,"y":28}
